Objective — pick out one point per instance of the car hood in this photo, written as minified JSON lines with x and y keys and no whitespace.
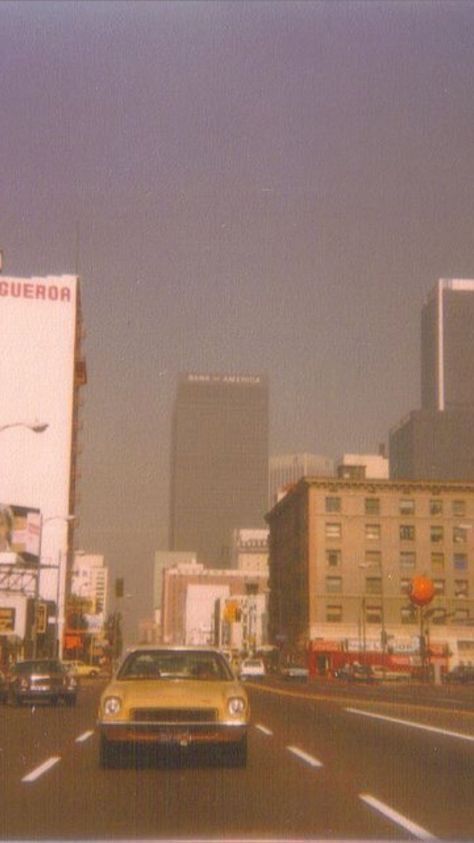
{"x":176,"y":691}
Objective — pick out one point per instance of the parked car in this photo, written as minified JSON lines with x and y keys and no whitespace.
{"x":81,"y":669}
{"x":385,"y":674}
{"x":295,"y":672}
{"x":174,"y":696}
{"x":252,"y":669}
{"x":37,"y":680}
{"x":462,"y":674}
{"x":355,"y":673}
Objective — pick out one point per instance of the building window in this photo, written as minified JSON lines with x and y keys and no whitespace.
{"x":461,"y":588}
{"x":438,"y":617}
{"x":460,"y":561}
{"x":333,"y":558}
{"x":407,"y":559}
{"x":372,"y":532}
{"x":372,"y":506}
{"x":373,"y":585}
{"x":461,"y":615}
{"x":408,"y":614}
{"x":405,"y":586}
{"x":334,"y":585}
{"x":437,"y":561}
{"x":459,"y":535}
{"x":436,"y":533}
{"x":333,"y":504}
{"x":373,"y":614}
{"x":407,"y":506}
{"x":436,"y":506}
{"x":373,"y":557}
{"x":407,"y":532}
{"x":333,"y":531}
{"x":459,"y":509}
{"x":334,"y":614}
{"x":439,"y":586}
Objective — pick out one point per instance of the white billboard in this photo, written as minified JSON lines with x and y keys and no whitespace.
{"x":37,"y":358}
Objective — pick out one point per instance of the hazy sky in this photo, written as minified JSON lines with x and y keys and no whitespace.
{"x":245,"y":187}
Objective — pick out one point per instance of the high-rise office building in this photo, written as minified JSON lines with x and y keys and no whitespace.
{"x":219,"y":462}
{"x":447,"y":346}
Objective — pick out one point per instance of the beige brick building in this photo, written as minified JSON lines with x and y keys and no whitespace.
{"x":343,"y":554}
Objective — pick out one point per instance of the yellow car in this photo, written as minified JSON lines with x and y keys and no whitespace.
{"x":78,"y":668}
{"x":178,"y":696}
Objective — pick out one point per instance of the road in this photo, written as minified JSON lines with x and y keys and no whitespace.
{"x":325,"y":761}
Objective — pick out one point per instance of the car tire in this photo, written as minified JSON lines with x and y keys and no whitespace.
{"x":94,"y":674}
{"x":237,"y":753}
{"x":70,"y":701}
{"x":108,"y":753}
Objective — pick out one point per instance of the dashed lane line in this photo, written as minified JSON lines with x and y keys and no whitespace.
{"x":43,"y":768}
{"x":85,"y":736}
{"x":309,"y":759}
{"x":399,"y":819}
{"x":413,"y":725}
{"x":263,"y":729}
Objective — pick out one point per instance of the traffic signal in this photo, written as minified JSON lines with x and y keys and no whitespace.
{"x":119,"y":587}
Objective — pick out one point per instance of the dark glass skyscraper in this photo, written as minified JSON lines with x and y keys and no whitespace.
{"x":219,"y":462}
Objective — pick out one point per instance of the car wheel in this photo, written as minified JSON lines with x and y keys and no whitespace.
{"x":108,"y":753}
{"x":237,"y":753}
{"x":70,"y":701}
{"x":93,"y":674}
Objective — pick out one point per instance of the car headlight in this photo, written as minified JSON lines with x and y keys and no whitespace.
{"x":236,"y":705}
{"x":24,"y":684}
{"x":71,"y":682}
{"x":112,"y":705}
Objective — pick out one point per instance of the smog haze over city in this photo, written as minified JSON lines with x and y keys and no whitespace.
{"x":245,"y":187}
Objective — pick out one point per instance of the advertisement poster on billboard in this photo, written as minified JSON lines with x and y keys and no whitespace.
{"x":20,"y":529}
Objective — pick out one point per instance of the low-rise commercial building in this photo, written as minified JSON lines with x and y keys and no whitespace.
{"x":343,"y":554}
{"x":190,"y":600}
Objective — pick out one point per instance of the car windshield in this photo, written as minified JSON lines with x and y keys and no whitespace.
{"x":38,"y":666}
{"x":162,"y":664}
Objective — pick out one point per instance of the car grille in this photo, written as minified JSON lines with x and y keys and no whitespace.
{"x":174,"y":715}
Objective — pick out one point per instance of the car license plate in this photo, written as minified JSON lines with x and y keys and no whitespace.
{"x":173,"y":737}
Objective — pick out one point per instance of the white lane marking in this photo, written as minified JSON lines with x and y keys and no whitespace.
{"x":305,"y":756}
{"x":84,"y":736}
{"x":412,"y":725}
{"x":43,"y":768}
{"x":263,"y":729}
{"x":397,"y":818}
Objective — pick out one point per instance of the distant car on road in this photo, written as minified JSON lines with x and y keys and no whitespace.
{"x":299,"y":674}
{"x":252,"y":669}
{"x":48,"y":680}
{"x":81,"y":669}
{"x":3,"y":687}
{"x":461,"y":674}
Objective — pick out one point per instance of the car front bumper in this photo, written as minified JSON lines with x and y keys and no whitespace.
{"x":182,"y":734}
